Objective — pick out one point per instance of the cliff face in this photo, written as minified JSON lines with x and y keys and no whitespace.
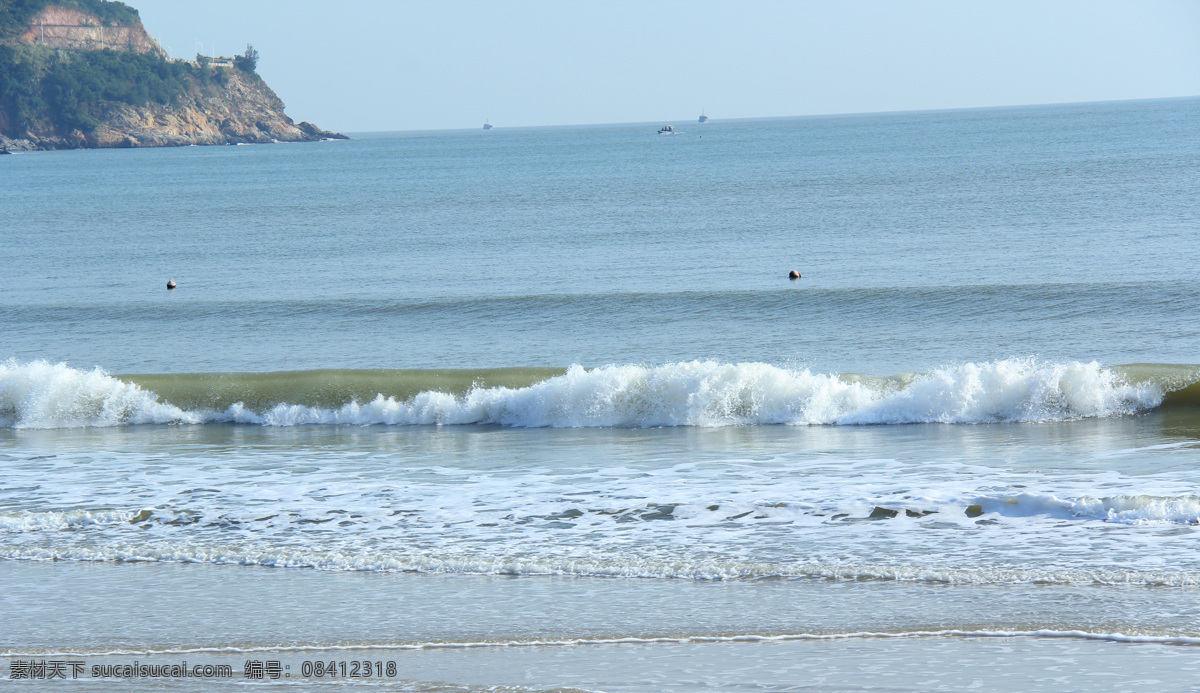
{"x":72,"y":29}
{"x":218,"y":105}
{"x":244,"y":110}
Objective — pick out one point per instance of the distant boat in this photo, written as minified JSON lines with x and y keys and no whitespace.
{"x":703,"y":118}
{"x":666,"y":130}
{"x":487,"y":126}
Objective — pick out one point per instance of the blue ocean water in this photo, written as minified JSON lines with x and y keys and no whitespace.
{"x":922,"y":238}
{"x":545,"y":405}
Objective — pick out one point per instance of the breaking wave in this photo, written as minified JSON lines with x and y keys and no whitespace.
{"x":1117,"y":509}
{"x":40,"y":394}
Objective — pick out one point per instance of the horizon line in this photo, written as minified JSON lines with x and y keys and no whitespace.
{"x":781,"y":117}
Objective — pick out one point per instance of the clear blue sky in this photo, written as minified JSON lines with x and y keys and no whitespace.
{"x":365,"y":65}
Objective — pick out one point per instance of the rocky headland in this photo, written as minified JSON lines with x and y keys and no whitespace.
{"x":72,"y":78}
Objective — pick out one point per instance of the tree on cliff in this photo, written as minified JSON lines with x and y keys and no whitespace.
{"x":246,"y":62}
{"x":42,"y":89}
{"x":203,"y":61}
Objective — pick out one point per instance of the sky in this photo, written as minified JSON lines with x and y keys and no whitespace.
{"x":381,"y":65}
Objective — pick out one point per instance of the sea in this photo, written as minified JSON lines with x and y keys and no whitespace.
{"x":539,"y":409}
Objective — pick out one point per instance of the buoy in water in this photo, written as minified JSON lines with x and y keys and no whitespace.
{"x":170,"y":284}
{"x":793,"y":275}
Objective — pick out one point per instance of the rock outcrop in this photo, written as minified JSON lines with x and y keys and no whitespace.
{"x":245,"y":110}
{"x":226,"y":106}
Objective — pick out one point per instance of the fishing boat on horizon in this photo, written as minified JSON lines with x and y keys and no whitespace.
{"x":703,"y":118}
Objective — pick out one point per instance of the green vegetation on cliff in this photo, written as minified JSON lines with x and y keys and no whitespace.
{"x":15,"y":14}
{"x":56,"y":92}
{"x":67,"y":89}
{"x":248,"y":61}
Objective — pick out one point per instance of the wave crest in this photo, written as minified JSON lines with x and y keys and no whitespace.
{"x":53,"y":395}
{"x":695,"y":393}
{"x":1118,"y":509}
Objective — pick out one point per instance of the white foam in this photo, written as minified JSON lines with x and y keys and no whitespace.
{"x":24,"y":521}
{"x":1121,"y":509}
{"x":610,"y":567}
{"x":695,"y":393}
{"x":53,"y":395}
